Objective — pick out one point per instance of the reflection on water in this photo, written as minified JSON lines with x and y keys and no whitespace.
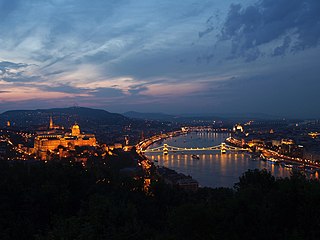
{"x":212,"y":169}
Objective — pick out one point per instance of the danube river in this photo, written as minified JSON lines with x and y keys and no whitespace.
{"x":212,"y":169}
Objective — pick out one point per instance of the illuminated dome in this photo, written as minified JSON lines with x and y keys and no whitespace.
{"x":75,"y":130}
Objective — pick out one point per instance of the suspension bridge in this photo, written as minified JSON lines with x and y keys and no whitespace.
{"x":165,"y":149}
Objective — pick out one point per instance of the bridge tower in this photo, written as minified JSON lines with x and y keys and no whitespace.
{"x":165,"y":149}
{"x":223,"y":148}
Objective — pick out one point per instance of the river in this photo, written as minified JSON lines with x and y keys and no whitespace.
{"x":213,"y":169}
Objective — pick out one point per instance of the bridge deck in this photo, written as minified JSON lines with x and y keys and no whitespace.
{"x":220,"y":147}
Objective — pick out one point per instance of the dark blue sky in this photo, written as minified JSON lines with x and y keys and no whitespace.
{"x":182,"y":56}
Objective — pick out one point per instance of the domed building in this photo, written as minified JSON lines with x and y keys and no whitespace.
{"x":75,"y":130}
{"x":50,"y":142}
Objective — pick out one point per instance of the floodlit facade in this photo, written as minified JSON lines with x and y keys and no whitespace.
{"x":50,"y":142}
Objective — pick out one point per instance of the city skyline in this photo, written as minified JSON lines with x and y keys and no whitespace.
{"x":172,"y":57}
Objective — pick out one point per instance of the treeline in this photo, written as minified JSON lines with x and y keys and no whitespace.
{"x":66,"y":201}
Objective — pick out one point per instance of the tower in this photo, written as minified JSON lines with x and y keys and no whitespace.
{"x":51,"y":123}
{"x":223,"y":148}
{"x":165,"y":149}
{"x":126,"y":140}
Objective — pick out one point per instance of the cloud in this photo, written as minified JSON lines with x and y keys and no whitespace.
{"x":15,"y":94}
{"x":295,"y":23}
{"x":11,"y":67}
{"x":14,"y":72}
{"x":128,"y":54}
{"x":281,"y":50}
{"x":106,"y":93}
{"x":136,"y":90}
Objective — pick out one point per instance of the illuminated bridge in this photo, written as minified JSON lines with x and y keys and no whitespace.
{"x":223,"y":148}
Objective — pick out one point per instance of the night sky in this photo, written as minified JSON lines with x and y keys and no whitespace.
{"x":173,"y":56}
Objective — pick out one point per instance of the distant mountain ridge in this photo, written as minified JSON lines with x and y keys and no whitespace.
{"x":204,"y":116}
{"x":180,"y":118}
{"x":89,"y":118}
{"x":86,"y":117}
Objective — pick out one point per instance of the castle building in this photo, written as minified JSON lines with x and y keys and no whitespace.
{"x":52,"y":141}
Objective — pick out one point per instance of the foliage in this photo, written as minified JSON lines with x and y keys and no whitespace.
{"x":66,"y":201}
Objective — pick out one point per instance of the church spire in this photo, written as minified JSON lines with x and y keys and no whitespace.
{"x":51,"y":123}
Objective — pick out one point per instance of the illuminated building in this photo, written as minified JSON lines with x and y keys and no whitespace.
{"x":52,"y":141}
{"x":276,"y":143}
{"x":171,"y":177}
{"x":287,"y":141}
{"x":52,"y":126}
{"x":184,"y":129}
{"x":117,"y":145}
{"x":75,"y":130}
{"x":238,"y":128}
{"x":288,"y":147}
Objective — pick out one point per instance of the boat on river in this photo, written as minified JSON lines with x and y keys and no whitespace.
{"x":194,"y":156}
{"x":286,"y":165}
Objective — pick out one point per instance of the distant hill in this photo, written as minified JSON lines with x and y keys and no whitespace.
{"x":181,"y":118}
{"x":201,"y":116}
{"x":90,"y":119}
{"x":85,"y":117}
{"x":150,"y":116}
{"x":250,"y":116}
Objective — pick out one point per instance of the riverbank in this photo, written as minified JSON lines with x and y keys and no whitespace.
{"x":263,"y":153}
{"x":144,"y":144}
